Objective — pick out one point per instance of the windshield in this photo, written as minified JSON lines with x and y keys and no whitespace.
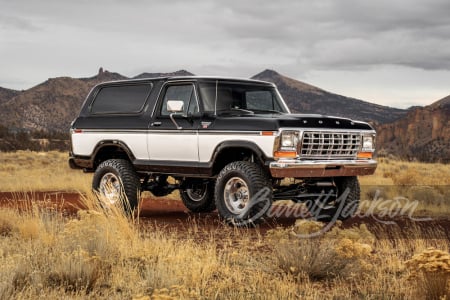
{"x":225,"y":97}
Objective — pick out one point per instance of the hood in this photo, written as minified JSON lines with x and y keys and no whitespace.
{"x":277,"y":121}
{"x":321,"y":121}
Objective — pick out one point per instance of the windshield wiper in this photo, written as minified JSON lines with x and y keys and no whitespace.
{"x":267,"y":110}
{"x":243,"y":110}
{"x":235,"y":109}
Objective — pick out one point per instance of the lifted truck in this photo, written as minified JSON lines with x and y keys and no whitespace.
{"x":228,"y":143}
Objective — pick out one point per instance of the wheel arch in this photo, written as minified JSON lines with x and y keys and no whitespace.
{"x":229,"y":151}
{"x":111,"y":149}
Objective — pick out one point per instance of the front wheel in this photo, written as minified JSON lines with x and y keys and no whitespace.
{"x":117,"y":184}
{"x":342,"y":205}
{"x":198,"y":196}
{"x":243,"y":193}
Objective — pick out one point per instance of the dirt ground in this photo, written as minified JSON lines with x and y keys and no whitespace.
{"x":174,"y":216}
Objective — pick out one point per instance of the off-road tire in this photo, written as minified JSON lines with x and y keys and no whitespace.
{"x":346,"y":205}
{"x":130,"y":187}
{"x":200,"y":203}
{"x":247,"y":180}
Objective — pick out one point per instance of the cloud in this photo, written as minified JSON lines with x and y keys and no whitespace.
{"x":301,"y":38}
{"x":16,"y":23}
{"x":347,"y":34}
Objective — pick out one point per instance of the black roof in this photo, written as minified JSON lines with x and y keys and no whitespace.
{"x":181,"y":78}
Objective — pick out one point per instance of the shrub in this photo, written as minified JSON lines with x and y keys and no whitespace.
{"x":8,"y":222}
{"x":427,"y":195}
{"x":432,"y":269}
{"x":337,"y":253}
{"x":406,"y":177}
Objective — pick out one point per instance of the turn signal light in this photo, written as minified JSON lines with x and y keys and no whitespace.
{"x":285,"y":154}
{"x":365,"y":155}
{"x":267,"y":133}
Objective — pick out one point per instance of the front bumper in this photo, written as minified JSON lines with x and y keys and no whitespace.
{"x":321,"y":168}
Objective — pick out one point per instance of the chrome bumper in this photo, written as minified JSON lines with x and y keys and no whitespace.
{"x":321,"y":168}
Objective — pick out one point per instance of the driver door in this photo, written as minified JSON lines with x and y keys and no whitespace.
{"x":175,"y":140}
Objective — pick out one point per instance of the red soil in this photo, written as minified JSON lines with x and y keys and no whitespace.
{"x":172,"y":214}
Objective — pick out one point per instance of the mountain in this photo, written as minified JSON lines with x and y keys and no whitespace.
{"x":423,"y":134}
{"x":444,"y":102}
{"x":154,"y":75}
{"x":419,"y":132}
{"x":304,"y":98}
{"x":53,"y":104}
{"x":102,"y":76}
{"x":7,"y":94}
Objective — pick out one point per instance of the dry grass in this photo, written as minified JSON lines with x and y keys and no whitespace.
{"x":396,"y":172}
{"x":29,"y":171}
{"x":405,"y":182}
{"x":104,"y":255}
{"x":40,"y":171}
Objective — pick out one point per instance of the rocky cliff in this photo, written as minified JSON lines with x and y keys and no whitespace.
{"x":423,"y":134}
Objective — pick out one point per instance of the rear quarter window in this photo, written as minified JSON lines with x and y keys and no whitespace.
{"x":125,"y":99}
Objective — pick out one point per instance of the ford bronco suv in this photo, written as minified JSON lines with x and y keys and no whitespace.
{"x":226,"y":144}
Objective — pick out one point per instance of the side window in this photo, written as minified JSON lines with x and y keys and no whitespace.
{"x":121,"y":99}
{"x":183,"y":93}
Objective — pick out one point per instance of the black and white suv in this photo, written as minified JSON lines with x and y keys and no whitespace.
{"x":227,"y":143}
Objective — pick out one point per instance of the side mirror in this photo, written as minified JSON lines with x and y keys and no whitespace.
{"x":175,"y":106}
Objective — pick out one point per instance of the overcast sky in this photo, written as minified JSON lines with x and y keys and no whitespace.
{"x":394,"y":53}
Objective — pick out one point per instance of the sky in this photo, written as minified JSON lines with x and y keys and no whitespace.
{"x":394,"y":53}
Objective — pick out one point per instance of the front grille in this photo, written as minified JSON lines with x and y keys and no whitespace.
{"x":329,"y":145}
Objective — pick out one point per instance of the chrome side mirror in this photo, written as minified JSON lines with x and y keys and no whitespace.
{"x":174,"y":107}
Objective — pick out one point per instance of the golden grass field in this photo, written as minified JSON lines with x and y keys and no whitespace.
{"x":104,"y":255}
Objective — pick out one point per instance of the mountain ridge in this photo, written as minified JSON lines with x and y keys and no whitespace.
{"x":154,"y":75}
{"x":54,"y":103}
{"x":418,"y":132}
{"x":305,"y":98}
{"x":7,"y":94}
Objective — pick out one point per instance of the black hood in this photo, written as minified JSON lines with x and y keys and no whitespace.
{"x":321,"y":121}
{"x":276,"y":121}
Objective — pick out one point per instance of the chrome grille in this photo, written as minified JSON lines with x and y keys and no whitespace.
{"x":329,"y":145}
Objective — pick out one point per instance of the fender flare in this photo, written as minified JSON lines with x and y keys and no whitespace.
{"x":111,"y":143}
{"x":239,"y":144}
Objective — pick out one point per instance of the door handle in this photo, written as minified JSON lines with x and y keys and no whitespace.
{"x":155,"y":124}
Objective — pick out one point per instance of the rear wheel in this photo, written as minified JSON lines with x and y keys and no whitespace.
{"x":117,"y":184}
{"x":243,"y":193}
{"x":342,"y":205}
{"x":198,"y":196}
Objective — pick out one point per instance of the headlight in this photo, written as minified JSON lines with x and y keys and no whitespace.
{"x":289,"y":140}
{"x":286,"y":145}
{"x":368,"y":143}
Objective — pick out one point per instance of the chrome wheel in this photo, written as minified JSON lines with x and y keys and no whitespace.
{"x":236,"y":195}
{"x":198,"y":193}
{"x":110,"y":188}
{"x":117,"y":185}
